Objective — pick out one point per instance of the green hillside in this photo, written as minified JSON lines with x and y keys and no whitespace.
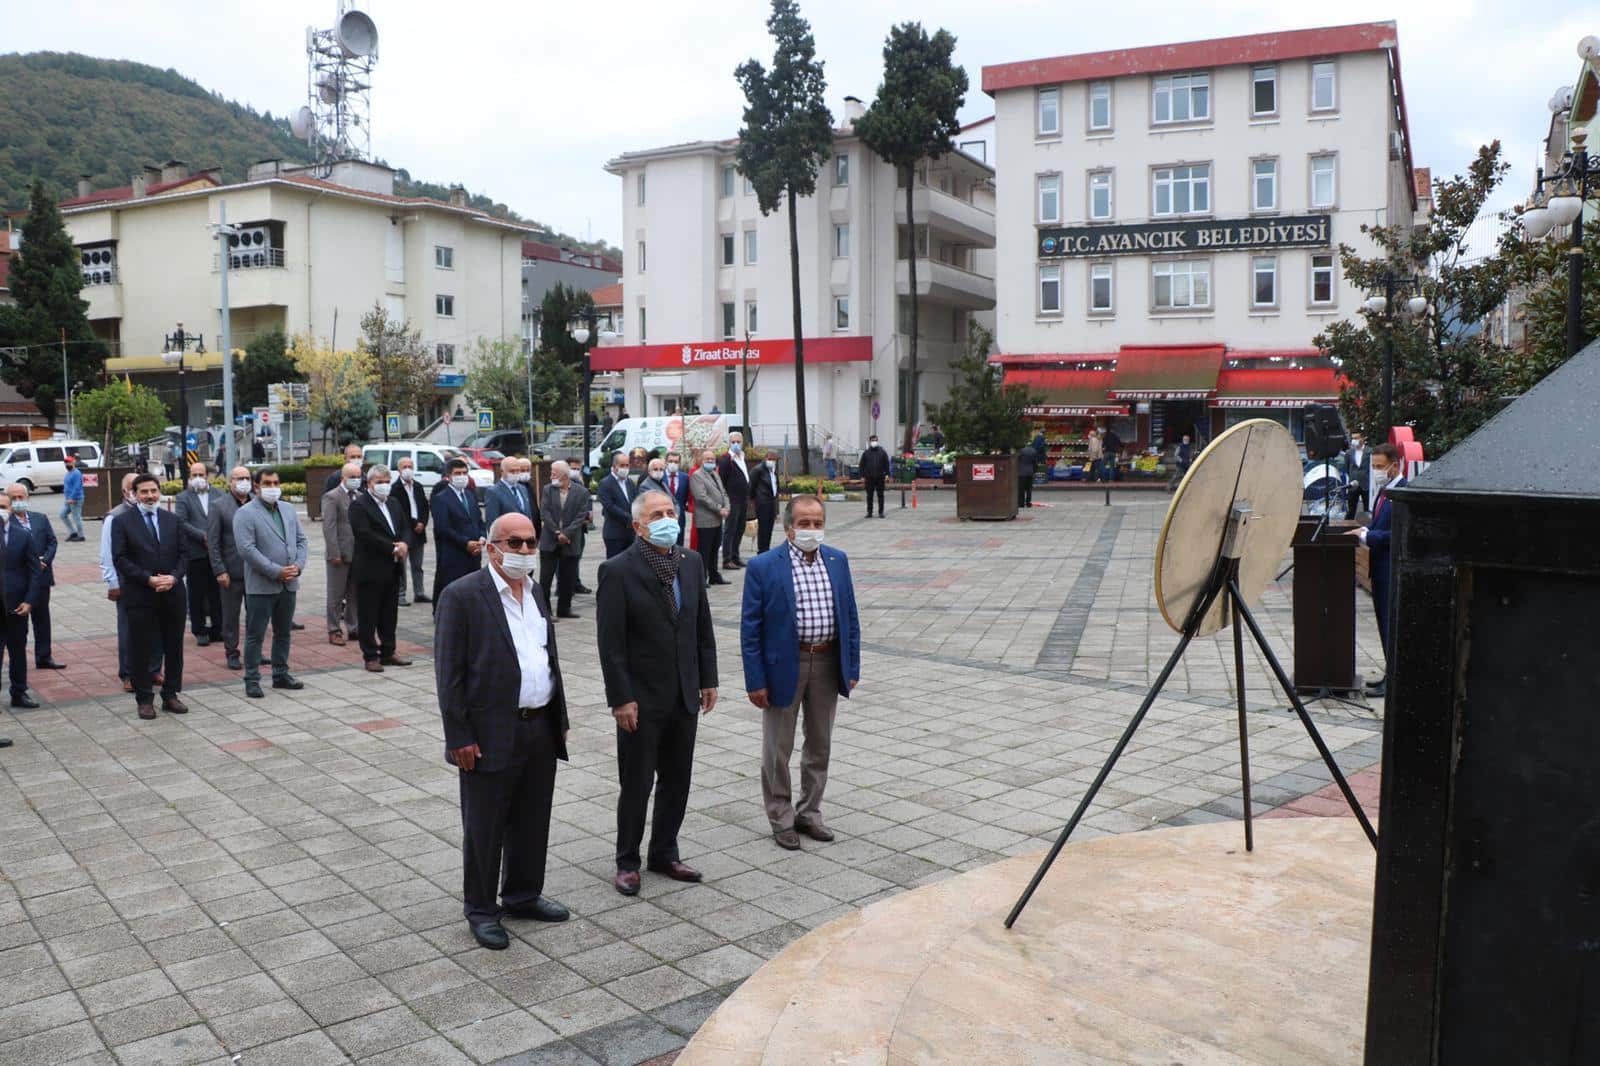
{"x":63,"y":115}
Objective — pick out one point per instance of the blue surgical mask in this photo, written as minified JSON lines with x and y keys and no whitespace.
{"x":664,"y":531}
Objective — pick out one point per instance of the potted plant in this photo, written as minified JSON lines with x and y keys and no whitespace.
{"x":984,"y":427}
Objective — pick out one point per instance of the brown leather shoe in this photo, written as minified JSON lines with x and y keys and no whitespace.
{"x":627,"y":882}
{"x":787,"y":839}
{"x":147,"y":711}
{"x":676,"y":870}
{"x":394,"y":660}
{"x":814,"y":830}
{"x":338,"y":639}
{"x":174,"y":706}
{"x":374,"y":666}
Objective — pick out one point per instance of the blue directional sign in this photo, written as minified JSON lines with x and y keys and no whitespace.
{"x":393,"y":422}
{"x":485,"y":419}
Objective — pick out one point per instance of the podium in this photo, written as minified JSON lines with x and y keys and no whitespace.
{"x":1325,"y":609}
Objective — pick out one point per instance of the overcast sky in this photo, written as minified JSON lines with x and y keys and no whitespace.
{"x":525,"y":101}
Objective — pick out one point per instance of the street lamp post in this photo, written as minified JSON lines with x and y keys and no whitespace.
{"x":177,"y":343}
{"x":1386,"y":308}
{"x":1574,"y":181}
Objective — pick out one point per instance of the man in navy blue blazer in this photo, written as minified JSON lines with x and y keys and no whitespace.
{"x":1385,"y":476}
{"x":801,"y":642}
{"x":457,"y":528}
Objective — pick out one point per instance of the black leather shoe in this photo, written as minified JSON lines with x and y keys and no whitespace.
{"x":51,"y":664}
{"x":541,"y":910}
{"x":253,"y":690}
{"x":676,"y":870}
{"x":288,"y":681}
{"x":491,"y":935}
{"x":24,"y":701}
{"x":235,"y":663}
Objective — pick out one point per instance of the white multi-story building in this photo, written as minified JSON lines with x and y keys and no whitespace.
{"x":1170,"y":218}
{"x":315,"y":254}
{"x":702,"y":268}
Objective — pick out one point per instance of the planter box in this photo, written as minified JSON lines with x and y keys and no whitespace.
{"x":986,"y":487}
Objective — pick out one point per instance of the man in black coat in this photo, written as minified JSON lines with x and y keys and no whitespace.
{"x":148,"y":551}
{"x":874,"y":471}
{"x":505,"y":725}
{"x":658,"y":656}
{"x":378,"y":526}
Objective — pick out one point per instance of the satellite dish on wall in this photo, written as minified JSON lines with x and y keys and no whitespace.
{"x":357,"y":34}
{"x":301,"y":123}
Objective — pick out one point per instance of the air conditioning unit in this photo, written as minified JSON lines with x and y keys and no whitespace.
{"x":1397,"y":145}
{"x":249,"y":247}
{"x":869,"y":386}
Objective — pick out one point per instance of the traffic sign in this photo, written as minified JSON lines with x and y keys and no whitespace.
{"x":877,"y":409}
{"x":485,"y":420}
{"x":393,"y":422}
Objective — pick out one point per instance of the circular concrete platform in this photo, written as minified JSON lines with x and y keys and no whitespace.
{"x":1166,"y":946}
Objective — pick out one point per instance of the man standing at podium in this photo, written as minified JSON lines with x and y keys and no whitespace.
{"x":1385,"y":476}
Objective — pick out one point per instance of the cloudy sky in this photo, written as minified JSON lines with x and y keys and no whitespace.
{"x":525,"y":101}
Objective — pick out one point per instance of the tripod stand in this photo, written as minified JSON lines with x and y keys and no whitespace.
{"x":1224,"y":584}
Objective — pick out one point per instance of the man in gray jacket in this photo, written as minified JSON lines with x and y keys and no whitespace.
{"x":339,"y":547}
{"x":222,"y":552}
{"x":193,"y":508}
{"x":273,"y":548}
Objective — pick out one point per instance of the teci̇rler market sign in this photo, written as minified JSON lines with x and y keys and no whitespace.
{"x":1197,"y":235}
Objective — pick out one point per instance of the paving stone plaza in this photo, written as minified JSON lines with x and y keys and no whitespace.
{"x":279,"y":880}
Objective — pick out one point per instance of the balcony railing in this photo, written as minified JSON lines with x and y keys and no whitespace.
{"x":254,"y":259}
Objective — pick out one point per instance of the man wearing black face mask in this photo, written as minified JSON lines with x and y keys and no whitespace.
{"x":874,"y":471}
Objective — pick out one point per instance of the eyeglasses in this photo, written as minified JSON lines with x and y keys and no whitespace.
{"x":518,"y":543}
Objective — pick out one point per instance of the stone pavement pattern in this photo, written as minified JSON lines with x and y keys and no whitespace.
{"x":280,"y":879}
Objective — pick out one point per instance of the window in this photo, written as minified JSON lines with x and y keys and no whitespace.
{"x":727,"y":250}
{"x":1322,"y":279}
{"x":641,"y":188}
{"x":1264,"y":281}
{"x":444,"y":354}
{"x":1049,"y":112}
{"x":1183,"y":190}
{"x":641,"y":257}
{"x":750,"y":320}
{"x":444,"y":258}
{"x":1100,"y":288}
{"x":750,"y":247}
{"x":730,"y":322}
{"x":841,"y":241}
{"x":1182,"y":284}
{"x":1100,"y":196}
{"x":978,"y":150}
{"x":1100,"y":105}
{"x":1050,"y":290}
{"x":1181,"y":98}
{"x":841,"y":312}
{"x":1264,"y":91}
{"x":1324,"y":87}
{"x":841,"y":169}
{"x":444,"y":306}
{"x":1323,"y":186}
{"x":727,"y":183}
{"x":1263,"y":185}
{"x":1050,"y":198}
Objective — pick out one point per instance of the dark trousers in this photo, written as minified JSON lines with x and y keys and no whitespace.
{"x":660,"y":753}
{"x":377,"y":610}
{"x":733,"y":530}
{"x":617,"y":545}
{"x":766,"y":517}
{"x":41,"y":627}
{"x":147,"y":623}
{"x":562,"y":571}
{"x":505,"y":824}
{"x":205,"y":599}
{"x":1025,"y":491}
{"x":16,"y":634}
{"x":874,"y":485}
{"x":709,"y":538}
{"x":260,"y":609}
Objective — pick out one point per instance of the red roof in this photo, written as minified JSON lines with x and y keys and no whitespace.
{"x":125,"y":192}
{"x":1192,"y":55}
{"x":608,"y":295}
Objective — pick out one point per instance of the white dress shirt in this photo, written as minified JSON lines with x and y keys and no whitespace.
{"x":530,"y":633}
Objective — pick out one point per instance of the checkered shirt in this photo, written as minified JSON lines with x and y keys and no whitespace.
{"x":813,"y":597}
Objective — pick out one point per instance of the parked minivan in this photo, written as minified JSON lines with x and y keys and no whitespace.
{"x":41,"y":464}
{"x":432,"y":460}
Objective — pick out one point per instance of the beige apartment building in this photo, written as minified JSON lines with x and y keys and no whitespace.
{"x":315,"y":251}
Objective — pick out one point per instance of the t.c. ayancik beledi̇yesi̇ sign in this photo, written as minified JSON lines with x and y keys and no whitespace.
{"x":1199,"y":235}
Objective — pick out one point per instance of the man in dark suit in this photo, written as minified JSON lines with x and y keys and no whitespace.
{"x":658,"y":656}
{"x":378,"y":523}
{"x":565,"y":509}
{"x":193,"y":508}
{"x":764,"y":498}
{"x":148,"y":551}
{"x":1357,"y":472}
{"x":222,"y":555}
{"x":414,"y":500}
{"x":24,"y":584}
{"x":676,"y":479}
{"x":44,"y":547}
{"x":1377,"y":537}
{"x":511,"y":494}
{"x":735,"y":474}
{"x":616,"y":493}
{"x":505,"y":725}
{"x":457,"y":528}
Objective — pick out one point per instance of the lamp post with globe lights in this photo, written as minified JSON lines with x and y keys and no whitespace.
{"x":1388,"y":308}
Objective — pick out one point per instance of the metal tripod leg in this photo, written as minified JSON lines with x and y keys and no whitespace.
{"x":1300,"y":709}
{"x":1244,"y":733}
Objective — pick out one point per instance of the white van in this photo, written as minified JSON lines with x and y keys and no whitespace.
{"x":42,"y":464}
{"x":432,"y":461}
{"x":667,"y":431}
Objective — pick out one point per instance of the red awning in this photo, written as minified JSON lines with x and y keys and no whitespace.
{"x":1067,"y":393}
{"x":728,"y":353}
{"x":1167,"y":372}
{"x":1286,"y":387}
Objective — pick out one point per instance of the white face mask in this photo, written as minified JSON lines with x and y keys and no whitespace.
{"x":271,"y":493}
{"x":380,"y":489}
{"x":516,"y":564}
{"x":199,"y":484}
{"x":808,"y":540}
{"x":459,"y":481}
{"x":406,"y":473}
{"x":242,"y":486}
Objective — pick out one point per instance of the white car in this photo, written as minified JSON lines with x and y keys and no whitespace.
{"x":432,"y":461}
{"x":41,"y":464}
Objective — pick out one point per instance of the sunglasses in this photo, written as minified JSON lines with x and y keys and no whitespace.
{"x":518,"y":543}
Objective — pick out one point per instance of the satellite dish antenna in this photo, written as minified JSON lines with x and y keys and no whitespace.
{"x":328,"y":89}
{"x":302,"y":123}
{"x":357,"y":34}
{"x":1226,"y":530}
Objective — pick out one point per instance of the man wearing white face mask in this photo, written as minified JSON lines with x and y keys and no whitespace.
{"x":801,"y":642}
{"x":193,"y":508}
{"x":378,"y":524}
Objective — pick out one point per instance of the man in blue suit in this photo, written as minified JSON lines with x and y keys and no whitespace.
{"x":1385,"y":476}
{"x":457,"y":528}
{"x":44,"y":547}
{"x":616,"y":504}
{"x":676,"y":480}
{"x":24,"y":583}
{"x":801,"y":641}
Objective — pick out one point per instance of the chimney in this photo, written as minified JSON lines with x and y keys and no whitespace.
{"x":458,"y":195}
{"x":84,"y":188}
{"x":853,"y":109}
{"x":140,"y":184}
{"x":174,"y":170}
